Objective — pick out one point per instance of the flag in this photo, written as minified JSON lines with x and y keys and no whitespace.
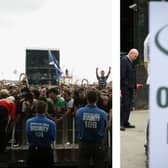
{"x":53,"y":61}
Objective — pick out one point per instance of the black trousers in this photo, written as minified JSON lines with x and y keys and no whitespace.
{"x":3,"y":128}
{"x":126,"y":105}
{"x":91,"y":151}
{"x":40,"y":156}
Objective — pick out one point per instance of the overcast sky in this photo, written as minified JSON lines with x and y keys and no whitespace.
{"x":80,"y":29}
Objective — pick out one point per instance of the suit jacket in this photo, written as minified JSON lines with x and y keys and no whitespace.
{"x":128,"y":73}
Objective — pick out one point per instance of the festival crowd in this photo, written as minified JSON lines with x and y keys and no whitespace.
{"x":63,"y":101}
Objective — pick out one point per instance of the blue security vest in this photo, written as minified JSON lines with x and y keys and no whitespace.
{"x":91,"y":122}
{"x":40,"y":130}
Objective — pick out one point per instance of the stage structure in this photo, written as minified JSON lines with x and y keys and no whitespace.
{"x":39,"y":69}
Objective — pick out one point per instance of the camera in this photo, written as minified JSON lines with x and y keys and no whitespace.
{"x":133,"y":7}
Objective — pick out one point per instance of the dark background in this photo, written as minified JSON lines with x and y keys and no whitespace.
{"x":133,"y":31}
{"x":133,"y":25}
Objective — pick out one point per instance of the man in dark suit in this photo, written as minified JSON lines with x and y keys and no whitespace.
{"x":127,"y":85}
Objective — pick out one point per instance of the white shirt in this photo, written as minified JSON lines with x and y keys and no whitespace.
{"x":146,"y":55}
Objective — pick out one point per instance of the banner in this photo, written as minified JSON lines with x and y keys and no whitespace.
{"x":158,"y":130}
{"x":53,"y":61}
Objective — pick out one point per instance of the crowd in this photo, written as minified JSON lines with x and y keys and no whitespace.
{"x":62,"y":103}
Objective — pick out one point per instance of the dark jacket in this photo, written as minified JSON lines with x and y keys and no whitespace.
{"x":128,"y":73}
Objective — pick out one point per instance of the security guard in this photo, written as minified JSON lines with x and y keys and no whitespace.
{"x":41,"y":132}
{"x":91,"y":122}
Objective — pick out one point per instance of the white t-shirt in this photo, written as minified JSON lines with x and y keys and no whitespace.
{"x":146,"y":56}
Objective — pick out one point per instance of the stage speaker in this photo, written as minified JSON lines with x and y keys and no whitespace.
{"x":38,"y":69}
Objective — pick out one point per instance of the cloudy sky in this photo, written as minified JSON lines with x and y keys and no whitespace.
{"x":80,"y":29}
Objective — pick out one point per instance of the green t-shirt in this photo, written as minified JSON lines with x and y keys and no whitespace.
{"x":60,"y":106}
{"x":59,"y":102}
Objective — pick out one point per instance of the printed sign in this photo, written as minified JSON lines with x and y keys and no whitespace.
{"x":158,"y":132}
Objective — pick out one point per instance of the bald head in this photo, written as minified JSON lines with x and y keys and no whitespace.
{"x":133,"y":54}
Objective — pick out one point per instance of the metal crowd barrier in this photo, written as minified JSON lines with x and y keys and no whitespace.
{"x":66,"y":134}
{"x":65,"y":145}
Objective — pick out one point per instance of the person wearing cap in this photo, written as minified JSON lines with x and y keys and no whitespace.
{"x":92,"y":124}
{"x":7,"y":115}
{"x":41,"y":133}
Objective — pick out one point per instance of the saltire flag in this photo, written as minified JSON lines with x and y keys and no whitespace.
{"x":53,"y":61}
